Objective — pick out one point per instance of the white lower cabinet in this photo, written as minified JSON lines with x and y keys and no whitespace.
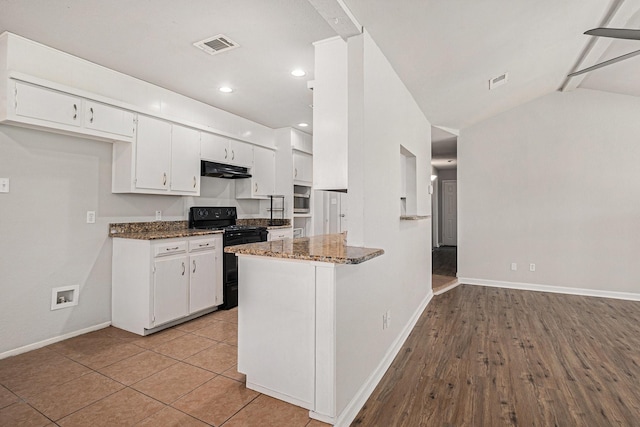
{"x":170,"y":289}
{"x":155,"y":282}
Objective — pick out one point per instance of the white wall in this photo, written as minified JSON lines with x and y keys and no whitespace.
{"x":399,"y":280}
{"x":45,"y":240}
{"x":554,"y":182}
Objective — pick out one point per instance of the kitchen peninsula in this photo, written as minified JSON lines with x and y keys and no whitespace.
{"x":294,"y":297}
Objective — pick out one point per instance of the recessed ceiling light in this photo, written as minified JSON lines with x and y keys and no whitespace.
{"x":225,"y":89}
{"x":303,"y":125}
{"x":298,"y":72}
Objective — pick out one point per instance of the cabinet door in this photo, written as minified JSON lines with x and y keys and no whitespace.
{"x":302,"y":167}
{"x":48,"y":105}
{"x":214,"y":148}
{"x":153,"y":154}
{"x":263,"y":172}
{"x":105,"y":118}
{"x":204,"y":281}
{"x":185,"y":159}
{"x":241,"y":153}
{"x":171,"y":289}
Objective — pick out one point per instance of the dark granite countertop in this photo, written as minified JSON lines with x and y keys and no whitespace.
{"x":156,"y":230}
{"x":329,"y":248}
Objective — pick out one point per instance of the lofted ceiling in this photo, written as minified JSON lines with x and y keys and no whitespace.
{"x":445,"y":51}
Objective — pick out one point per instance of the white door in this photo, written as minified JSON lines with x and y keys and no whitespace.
{"x":153,"y":154}
{"x":106,"y":118}
{"x":185,"y":159}
{"x":450,"y":213}
{"x":170,"y":289}
{"x":240,"y":153}
{"x":214,"y":148}
{"x":49,"y":105}
{"x":203,"y":282}
{"x":335,"y":212}
{"x":264,"y":171}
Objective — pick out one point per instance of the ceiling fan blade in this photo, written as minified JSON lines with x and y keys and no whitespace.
{"x":616,"y":33}
{"x":605,"y":63}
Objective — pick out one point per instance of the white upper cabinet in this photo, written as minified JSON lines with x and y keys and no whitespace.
{"x":106,"y":118}
{"x":153,"y":154}
{"x":241,"y":153}
{"x":302,"y":168}
{"x":216,"y":148}
{"x":185,"y":159}
{"x":263,"y":176}
{"x":47,"y":105}
{"x":330,"y":115}
{"x":164,"y":159}
{"x":40,"y":107}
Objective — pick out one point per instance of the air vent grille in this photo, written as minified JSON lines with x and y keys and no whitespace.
{"x":216,"y":44}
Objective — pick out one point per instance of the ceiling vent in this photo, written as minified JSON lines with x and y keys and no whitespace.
{"x":216,"y":44}
{"x":498,"y":81}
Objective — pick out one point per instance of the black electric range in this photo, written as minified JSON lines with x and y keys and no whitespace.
{"x":221,"y":218}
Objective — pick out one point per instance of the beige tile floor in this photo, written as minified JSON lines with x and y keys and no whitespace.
{"x":183,"y":376}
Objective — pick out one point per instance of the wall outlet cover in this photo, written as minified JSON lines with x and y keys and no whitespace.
{"x":4,"y":185}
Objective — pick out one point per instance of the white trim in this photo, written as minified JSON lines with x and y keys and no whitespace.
{"x":278,"y":395}
{"x":547,"y":288}
{"x":53,"y":340}
{"x":448,"y":288}
{"x":349,"y":413}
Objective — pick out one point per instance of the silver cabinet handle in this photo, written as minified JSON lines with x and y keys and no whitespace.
{"x":75,"y":111}
{"x":172,"y":249}
{"x":233,"y":154}
{"x":194,"y":182}
{"x":194,"y":265}
{"x":184,"y":268}
{"x":256,"y":186}
{"x":164,"y":178}
{"x":225,"y":153}
{"x":91,"y":111}
{"x":203,"y":245}
{"x":295,"y":172}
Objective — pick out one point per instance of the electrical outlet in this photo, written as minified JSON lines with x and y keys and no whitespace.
{"x":532,"y":267}
{"x":91,"y":217}
{"x":158,"y":215}
{"x":4,"y":185}
{"x":514,"y":266}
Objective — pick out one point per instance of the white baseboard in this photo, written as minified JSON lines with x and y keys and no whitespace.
{"x":53,"y":340}
{"x":548,"y":288}
{"x":348,"y":414}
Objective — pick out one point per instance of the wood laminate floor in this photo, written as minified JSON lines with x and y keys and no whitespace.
{"x":497,"y":357}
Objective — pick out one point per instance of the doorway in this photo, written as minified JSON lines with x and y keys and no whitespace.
{"x":444,"y":254}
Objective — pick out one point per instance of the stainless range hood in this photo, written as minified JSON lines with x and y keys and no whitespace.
{"x":220,"y":170}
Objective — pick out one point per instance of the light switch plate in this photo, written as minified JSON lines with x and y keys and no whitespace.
{"x":4,"y":185}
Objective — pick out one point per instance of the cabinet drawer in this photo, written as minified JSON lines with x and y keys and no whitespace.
{"x":204,"y":244}
{"x":169,"y":248}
